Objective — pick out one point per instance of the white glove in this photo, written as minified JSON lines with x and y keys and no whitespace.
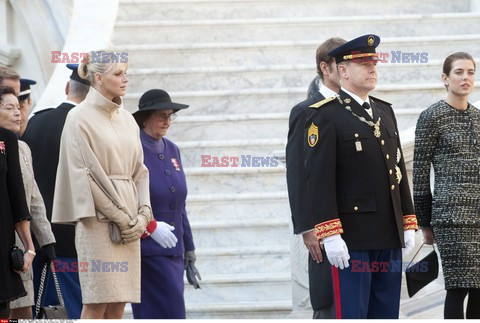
{"x":336,"y":250}
{"x":409,"y":237}
{"x":164,"y":236}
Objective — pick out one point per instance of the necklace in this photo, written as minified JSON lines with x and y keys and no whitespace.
{"x":375,"y":125}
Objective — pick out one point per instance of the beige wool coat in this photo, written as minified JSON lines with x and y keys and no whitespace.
{"x":39,"y":224}
{"x":101,"y":178}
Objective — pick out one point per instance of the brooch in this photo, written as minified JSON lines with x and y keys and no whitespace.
{"x":2,"y":147}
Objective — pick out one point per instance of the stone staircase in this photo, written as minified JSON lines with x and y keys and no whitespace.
{"x":242,"y":65}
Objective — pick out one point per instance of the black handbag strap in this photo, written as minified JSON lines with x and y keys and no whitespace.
{"x":42,"y":286}
{"x":417,"y":253}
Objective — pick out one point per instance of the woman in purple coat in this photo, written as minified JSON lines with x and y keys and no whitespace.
{"x":171,"y":250}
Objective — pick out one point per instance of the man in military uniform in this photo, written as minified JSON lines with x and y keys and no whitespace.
{"x":358,"y":192}
{"x":320,"y":281}
{"x":43,"y":135}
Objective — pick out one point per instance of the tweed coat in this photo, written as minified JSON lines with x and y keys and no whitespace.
{"x":39,"y":224}
{"x":449,"y":140}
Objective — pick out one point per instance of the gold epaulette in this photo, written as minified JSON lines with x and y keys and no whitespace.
{"x":320,"y":103}
{"x":410,"y":222}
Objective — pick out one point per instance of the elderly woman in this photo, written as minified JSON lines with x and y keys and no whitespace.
{"x":163,"y":265}
{"x":447,"y":138}
{"x":11,"y":119}
{"x":13,"y":210}
{"x":102,"y":187}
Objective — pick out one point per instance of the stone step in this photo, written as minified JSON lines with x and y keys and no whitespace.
{"x":281,"y":100}
{"x":250,"y":126}
{"x":238,"y":9}
{"x":202,"y":180}
{"x":243,"y":260}
{"x":301,"y":28}
{"x":228,"y":127}
{"x":271,"y":76}
{"x":285,"y":52}
{"x":238,"y":206}
{"x":237,"y":310}
{"x":240,"y":288}
{"x":221,"y":77}
{"x":256,"y":153}
{"x":238,"y":233}
{"x":240,"y":310}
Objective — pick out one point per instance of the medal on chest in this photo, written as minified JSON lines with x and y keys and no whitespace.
{"x":375,"y":125}
{"x":175,"y":164}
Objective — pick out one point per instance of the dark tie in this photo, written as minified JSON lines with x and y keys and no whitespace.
{"x":366,"y":105}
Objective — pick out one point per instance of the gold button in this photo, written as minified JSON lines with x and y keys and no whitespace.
{"x":383,"y":142}
{"x":387,"y":156}
{"x":356,"y":135}
{"x":392,"y":187}
{"x":391,"y":172}
{"x":355,"y":208}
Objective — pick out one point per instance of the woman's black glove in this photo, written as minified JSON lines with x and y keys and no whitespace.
{"x":192,"y":272}
{"x":48,"y":253}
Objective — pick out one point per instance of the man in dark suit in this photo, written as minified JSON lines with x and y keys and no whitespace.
{"x":43,"y":135}
{"x":319,"y":270}
{"x":359,"y":197}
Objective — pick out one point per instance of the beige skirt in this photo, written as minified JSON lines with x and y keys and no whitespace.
{"x":109,"y":273}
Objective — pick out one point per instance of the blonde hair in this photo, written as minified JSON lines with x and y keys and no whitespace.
{"x":100,"y":61}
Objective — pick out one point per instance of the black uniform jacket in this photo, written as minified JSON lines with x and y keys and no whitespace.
{"x":353,"y":181}
{"x":43,"y":135}
{"x":295,"y":156}
{"x":320,"y":278}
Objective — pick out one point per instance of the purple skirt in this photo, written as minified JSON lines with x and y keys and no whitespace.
{"x":161,"y":289}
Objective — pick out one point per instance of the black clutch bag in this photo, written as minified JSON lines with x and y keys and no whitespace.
{"x":16,"y":258}
{"x":422,"y":272}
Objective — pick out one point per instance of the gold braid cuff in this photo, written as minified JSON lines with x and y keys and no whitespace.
{"x":410,"y":222}
{"x":328,"y":228}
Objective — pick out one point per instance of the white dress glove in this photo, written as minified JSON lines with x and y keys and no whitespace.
{"x":336,"y":250}
{"x":409,"y":237}
{"x":164,"y":236}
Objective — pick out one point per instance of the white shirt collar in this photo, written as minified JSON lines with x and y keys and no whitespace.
{"x":359,"y":100}
{"x":70,"y":102}
{"x":326,"y":92}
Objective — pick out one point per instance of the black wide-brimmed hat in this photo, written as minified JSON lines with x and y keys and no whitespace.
{"x":157,"y":100}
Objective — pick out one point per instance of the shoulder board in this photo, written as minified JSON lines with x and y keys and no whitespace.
{"x":41,"y":111}
{"x":378,"y":100}
{"x":320,"y":103}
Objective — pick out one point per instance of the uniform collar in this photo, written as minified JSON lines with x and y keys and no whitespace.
{"x":360,"y":101}
{"x":356,"y":97}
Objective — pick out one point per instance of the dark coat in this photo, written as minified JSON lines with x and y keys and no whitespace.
{"x":320,"y":279}
{"x":352,"y":174}
{"x":13,"y":209}
{"x":43,"y":135}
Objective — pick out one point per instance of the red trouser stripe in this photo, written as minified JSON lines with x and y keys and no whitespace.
{"x":336,"y":293}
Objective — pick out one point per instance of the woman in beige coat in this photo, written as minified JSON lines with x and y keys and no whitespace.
{"x":10,"y":119}
{"x":102,"y":184}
